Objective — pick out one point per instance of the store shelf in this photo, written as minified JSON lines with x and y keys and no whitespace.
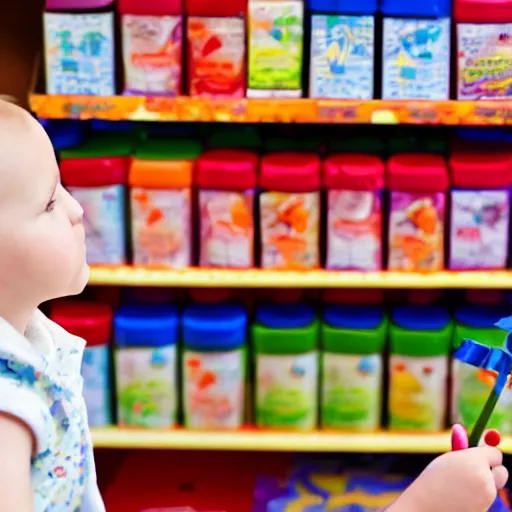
{"x":141,"y":108}
{"x":381,"y":442}
{"x":133,"y":276}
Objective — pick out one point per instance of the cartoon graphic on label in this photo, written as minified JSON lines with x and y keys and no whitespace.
{"x":484,"y":61}
{"x":354,"y":230}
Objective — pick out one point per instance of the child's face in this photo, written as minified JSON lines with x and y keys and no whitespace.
{"x":42,"y":253}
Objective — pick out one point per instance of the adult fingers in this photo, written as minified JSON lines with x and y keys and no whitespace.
{"x":500,"y":474}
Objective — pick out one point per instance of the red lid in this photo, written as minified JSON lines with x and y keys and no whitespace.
{"x":353,"y":171}
{"x":424,"y":296}
{"x":417,"y":172}
{"x":220,"y":8}
{"x":480,"y":170}
{"x":486,"y":297}
{"x":227,"y":169}
{"x":356,"y":296}
{"x":94,"y":172}
{"x":150,"y":7}
{"x":290,"y":172}
{"x":483,"y":11}
{"x":92,"y":321}
{"x":211,"y":294}
{"x":281,"y":295}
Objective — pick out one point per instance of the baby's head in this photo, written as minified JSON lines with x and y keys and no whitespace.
{"x":42,"y":251}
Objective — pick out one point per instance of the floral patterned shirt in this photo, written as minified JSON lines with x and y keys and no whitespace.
{"x":41,"y":384}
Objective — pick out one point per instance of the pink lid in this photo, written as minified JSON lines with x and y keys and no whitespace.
{"x":417,"y":172}
{"x":227,"y":169}
{"x":356,"y":296}
{"x":150,"y":7}
{"x":94,"y":172}
{"x":353,"y":171}
{"x":290,"y":172}
{"x":57,"y":5}
{"x":91,"y":321}
{"x":483,"y":11}
{"x":481,"y":170}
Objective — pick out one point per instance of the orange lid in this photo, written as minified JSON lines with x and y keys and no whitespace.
{"x":161,"y":174}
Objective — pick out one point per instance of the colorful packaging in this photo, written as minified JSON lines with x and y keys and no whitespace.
{"x":152,"y":53}
{"x":91,"y":321}
{"x":480,"y":210}
{"x":472,"y":386}
{"x":276,"y":36}
{"x":161,"y":180}
{"x":95,"y":174}
{"x":220,"y":9}
{"x":150,"y":7}
{"x":216,"y":65}
{"x":286,"y":344}
{"x":353,"y":339}
{"x":354,"y":215}
{"x":416,"y":59}
{"x":417,"y":184}
{"x":420,"y":338}
{"x":342,"y":56}
{"x":226,"y":180}
{"x":146,"y":365}
{"x":290,"y":210}
{"x":79,"y":51}
{"x":214,"y":365}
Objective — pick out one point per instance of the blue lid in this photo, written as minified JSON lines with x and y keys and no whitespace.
{"x":146,"y":325}
{"x":65,"y":134}
{"x":421,"y":318}
{"x":491,"y":134}
{"x":285,"y":316}
{"x":112,"y":126}
{"x":419,"y":8}
{"x":343,"y":6}
{"x":353,"y":317}
{"x":480,"y":316}
{"x":214,"y":327}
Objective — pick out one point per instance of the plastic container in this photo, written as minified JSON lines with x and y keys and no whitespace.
{"x":220,"y":9}
{"x":79,"y":52}
{"x":342,"y":49}
{"x":471,"y":386}
{"x":353,"y":339}
{"x":417,"y":184}
{"x":152,"y":54}
{"x":95,"y":174}
{"x":214,"y":365}
{"x":290,"y":210}
{"x":91,"y":321}
{"x":76,"y":5}
{"x":216,"y":64}
{"x":416,"y":49}
{"x":150,"y":7}
{"x":480,"y":210}
{"x":146,"y":339}
{"x":226,"y":180}
{"x":420,"y":338}
{"x":161,"y":178}
{"x":354,"y":185}
{"x":286,"y":338}
{"x":277,"y":25}
{"x":64,"y":134}
{"x":483,"y":47}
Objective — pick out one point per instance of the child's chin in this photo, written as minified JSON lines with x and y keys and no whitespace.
{"x":81,"y":281}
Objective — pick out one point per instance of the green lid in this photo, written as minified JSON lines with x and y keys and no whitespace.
{"x":104,"y":145}
{"x":293,"y":144}
{"x":168,"y":149}
{"x":357,"y":145}
{"x":239,"y":138}
{"x":406,"y":144}
{"x":435,"y":145}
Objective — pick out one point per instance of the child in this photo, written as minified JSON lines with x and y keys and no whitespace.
{"x":43,"y":423}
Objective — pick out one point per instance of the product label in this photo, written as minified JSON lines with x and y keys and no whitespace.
{"x":146,"y":387}
{"x":96,"y":391}
{"x":290,"y":230}
{"x":416,"y":231}
{"x":484,"y":61}
{"x":161,"y":227}
{"x":342,"y":57}
{"x":479,"y":229}
{"x":354,"y":230}
{"x":275,"y":44}
{"x":352,"y":390}
{"x":217,"y":57}
{"x":227,"y":229}
{"x":417,"y":392}
{"x":213,"y":389}
{"x":471,"y":388}
{"x":287,"y":390}
{"x":416,"y":59}
{"x":79,"y":53}
{"x":152,"y":50}
{"x":104,"y":223}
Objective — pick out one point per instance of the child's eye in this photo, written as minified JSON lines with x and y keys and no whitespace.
{"x":50,"y":206}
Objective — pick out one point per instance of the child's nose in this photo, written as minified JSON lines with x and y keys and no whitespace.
{"x":76,"y":212}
